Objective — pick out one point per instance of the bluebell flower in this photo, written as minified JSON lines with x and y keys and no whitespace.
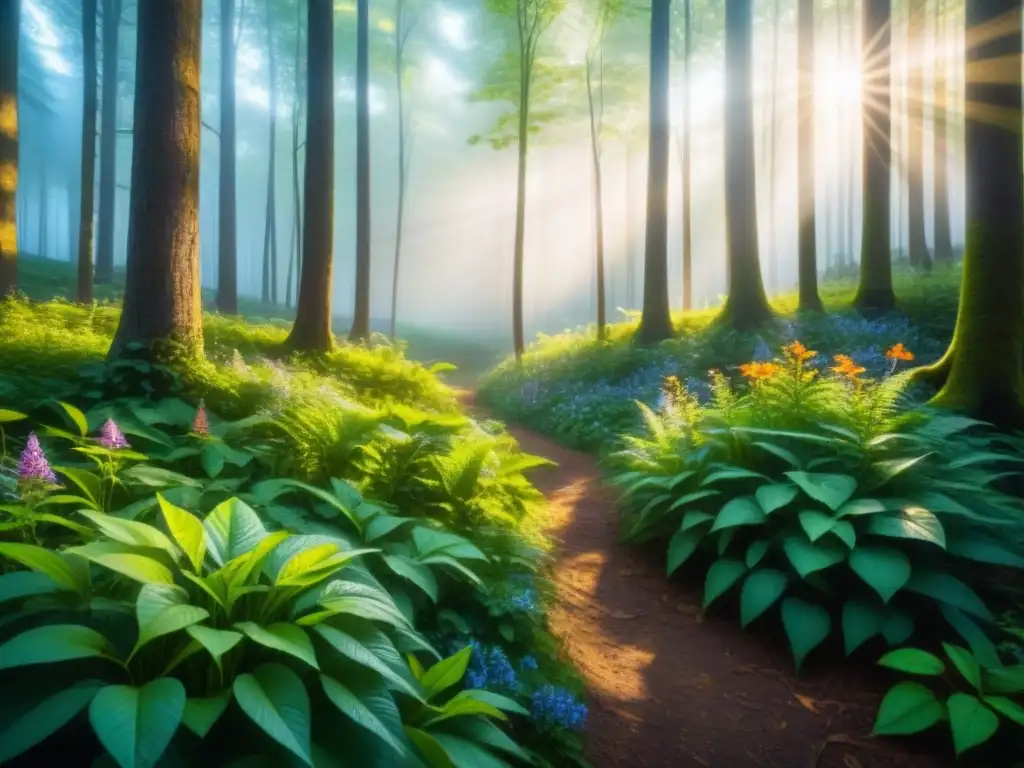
{"x":557,"y":708}
{"x":528,"y":663}
{"x":489,"y":667}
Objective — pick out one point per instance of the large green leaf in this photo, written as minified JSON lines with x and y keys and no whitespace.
{"x":51,"y":643}
{"x":217,"y":642}
{"x":977,"y":638}
{"x":445,"y":673}
{"x":761,"y":590}
{"x":417,"y":573}
{"x":467,"y":754}
{"x":130,"y":532}
{"x":831,"y":490}
{"x":914,"y":661}
{"x":201,"y":715}
{"x":429,"y":748}
{"x":965,"y":664}
{"x":88,"y":484}
{"x":124,"y":560}
{"x":946,"y":588}
{"x":722,"y":574}
{"x":7,"y":416}
{"x":352,"y":648}
{"x":907,"y":708}
{"x":984,"y":550}
{"x":487,"y":733}
{"x":135,"y":725}
{"x":314,"y":564}
{"x":187,"y":530}
{"x":496,"y":700}
{"x":775,"y":496}
{"x":884,"y":569}
{"x":276,"y":700}
{"x":731,"y":473}
{"x":689,"y":498}
{"x":681,"y":547}
{"x":353,"y":707}
{"x":18,"y":584}
{"x":282,"y":636}
{"x":806,"y":625}
{"x":162,"y":609}
{"x":68,"y":573}
{"x":971,"y":721}
{"x":859,"y":507}
{"x":910,"y":523}
{"x":1010,"y":709}
{"x":44,"y":719}
{"x":862,"y":620}
{"x":742,"y":510}
{"x":756,"y":552}
{"x":808,"y":557}
{"x":232,"y":530}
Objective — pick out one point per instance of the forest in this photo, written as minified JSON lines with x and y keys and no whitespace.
{"x":449,"y":384}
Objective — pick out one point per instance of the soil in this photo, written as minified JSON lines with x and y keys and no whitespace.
{"x":671,"y":687}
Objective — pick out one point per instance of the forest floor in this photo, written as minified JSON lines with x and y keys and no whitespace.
{"x":669,"y":687}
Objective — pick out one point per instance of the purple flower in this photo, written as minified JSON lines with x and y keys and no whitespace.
{"x":111,"y":437}
{"x":33,"y":464}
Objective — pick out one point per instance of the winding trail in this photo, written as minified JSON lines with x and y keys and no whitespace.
{"x":669,"y":687}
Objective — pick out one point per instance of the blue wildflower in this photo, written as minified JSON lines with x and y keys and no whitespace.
{"x":558,"y":708}
{"x":489,"y":667}
{"x":528,"y":663}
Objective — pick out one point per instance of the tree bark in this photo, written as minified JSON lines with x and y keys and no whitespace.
{"x":850,"y":172}
{"x":361,"y":313}
{"x":108,"y":143}
{"x":270,"y":229}
{"x":918,"y":242}
{"x":687,"y":161}
{"x":311,"y":331}
{"x":943,"y":233}
{"x":655,"y":318}
{"x":747,"y":305}
{"x":10,"y":18}
{"x":162,"y":289}
{"x":807,"y":267}
{"x":985,"y":360}
{"x":400,"y":38}
{"x":773,"y":253}
{"x":295,"y":261}
{"x":227,"y":242}
{"x":83,"y":291}
{"x":874,"y":291}
{"x":628,"y":208}
{"x":595,"y":156}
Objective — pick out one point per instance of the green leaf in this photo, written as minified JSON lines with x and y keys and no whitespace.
{"x":861,"y":621}
{"x":722,"y":574}
{"x":282,"y":636}
{"x":898,"y":627}
{"x":808,"y":558}
{"x":761,"y":590}
{"x":76,"y":417}
{"x":983,"y":551}
{"x":187,"y":530}
{"x":51,"y":643}
{"x":681,"y":547}
{"x":44,"y":719}
{"x":130,"y":532}
{"x":353,"y":649}
{"x":467,"y":754}
{"x":275,"y":699}
{"x":971,"y":721}
{"x":464,"y":706}
{"x":87,"y":483}
{"x":733,"y":473}
{"x":831,"y":490}
{"x":884,"y":569}
{"x":232,"y":530}
{"x":907,"y":708}
{"x":816,"y":524}
{"x":778,"y":451}
{"x":417,"y":573}
{"x":981,"y":645}
{"x":914,"y":661}
{"x":496,"y":700}
{"x":217,"y":642}
{"x":18,"y":584}
{"x":135,"y":725}
{"x":775,"y":496}
{"x":7,"y":416}
{"x":1008,"y":679}
{"x":55,"y":565}
{"x":1010,"y":709}
{"x":212,"y":459}
{"x":689,"y":498}
{"x":911,"y":523}
{"x":162,"y":609}
{"x":314,"y":564}
{"x":743,"y":510}
{"x":431,"y":750}
{"x":352,"y":707}
{"x":201,"y":715}
{"x":120,"y":558}
{"x":965,"y":664}
{"x":488,"y":734}
{"x":693,"y":518}
{"x":806,"y":625}
{"x":859,"y":507}
{"x":445,"y":673}
{"x":948,"y":589}
{"x":756,"y":552}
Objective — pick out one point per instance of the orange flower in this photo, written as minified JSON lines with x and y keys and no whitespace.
{"x":758,"y":371}
{"x":899,"y":352}
{"x":847,"y":367}
{"x":798,"y":352}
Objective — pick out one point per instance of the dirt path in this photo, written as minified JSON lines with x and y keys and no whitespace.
{"x":670,"y":688}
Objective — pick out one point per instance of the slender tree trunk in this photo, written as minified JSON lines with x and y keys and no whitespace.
{"x":227,"y":245}
{"x":311,"y":331}
{"x":747,"y":305}
{"x":807,"y":268}
{"x":943,"y":236}
{"x":918,"y":245}
{"x":595,"y":156}
{"x":687,"y":161}
{"x":874,"y":291}
{"x":83,"y":292}
{"x":44,"y":208}
{"x":525,"y":70}
{"x":361,"y":314}
{"x":10,"y":25}
{"x":108,"y":143}
{"x":840,"y":207}
{"x":400,"y":32}
{"x":773,"y":255}
{"x":631,"y":301}
{"x":655,"y":319}
{"x":270,"y":233}
{"x":985,"y":360}
{"x":296,"y":259}
{"x":850,"y":132}
{"x":162,"y":289}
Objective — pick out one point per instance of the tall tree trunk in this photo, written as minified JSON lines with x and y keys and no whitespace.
{"x":83,"y":292}
{"x":108,"y":143}
{"x":525,"y":72}
{"x":10,"y":25}
{"x":227,"y":244}
{"x":773,"y":255}
{"x":850,"y":133}
{"x":44,"y":207}
{"x":985,"y":360}
{"x":807,"y":268}
{"x":162,"y":289}
{"x":400,"y":37}
{"x":747,"y":305}
{"x":655,"y":319}
{"x":687,"y":160}
{"x":361,"y":313}
{"x":296,"y":258}
{"x":840,"y":207}
{"x":918,"y":243}
{"x":311,"y":331}
{"x":270,"y":229}
{"x":943,"y":236}
{"x":595,"y":156}
{"x":631,"y":301}
{"x":874,"y":291}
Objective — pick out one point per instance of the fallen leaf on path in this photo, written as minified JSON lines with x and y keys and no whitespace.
{"x":807,"y":703}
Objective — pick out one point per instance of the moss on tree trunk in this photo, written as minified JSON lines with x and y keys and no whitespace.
{"x":162,"y":299}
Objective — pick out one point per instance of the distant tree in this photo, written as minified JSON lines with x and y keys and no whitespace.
{"x":311,"y":331}
{"x":686,"y":160}
{"x":982,"y":372}
{"x":112,"y":10}
{"x":874,"y":291}
{"x":295,"y":260}
{"x":83,"y":292}
{"x":918,"y":243}
{"x":162,"y":289}
{"x":227,"y":223}
{"x":10,"y":19}
{"x":807,"y":268}
{"x":940,"y":179}
{"x":361,"y":313}
{"x":270,"y":220}
{"x":655,"y":318}
{"x":746,"y":306}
